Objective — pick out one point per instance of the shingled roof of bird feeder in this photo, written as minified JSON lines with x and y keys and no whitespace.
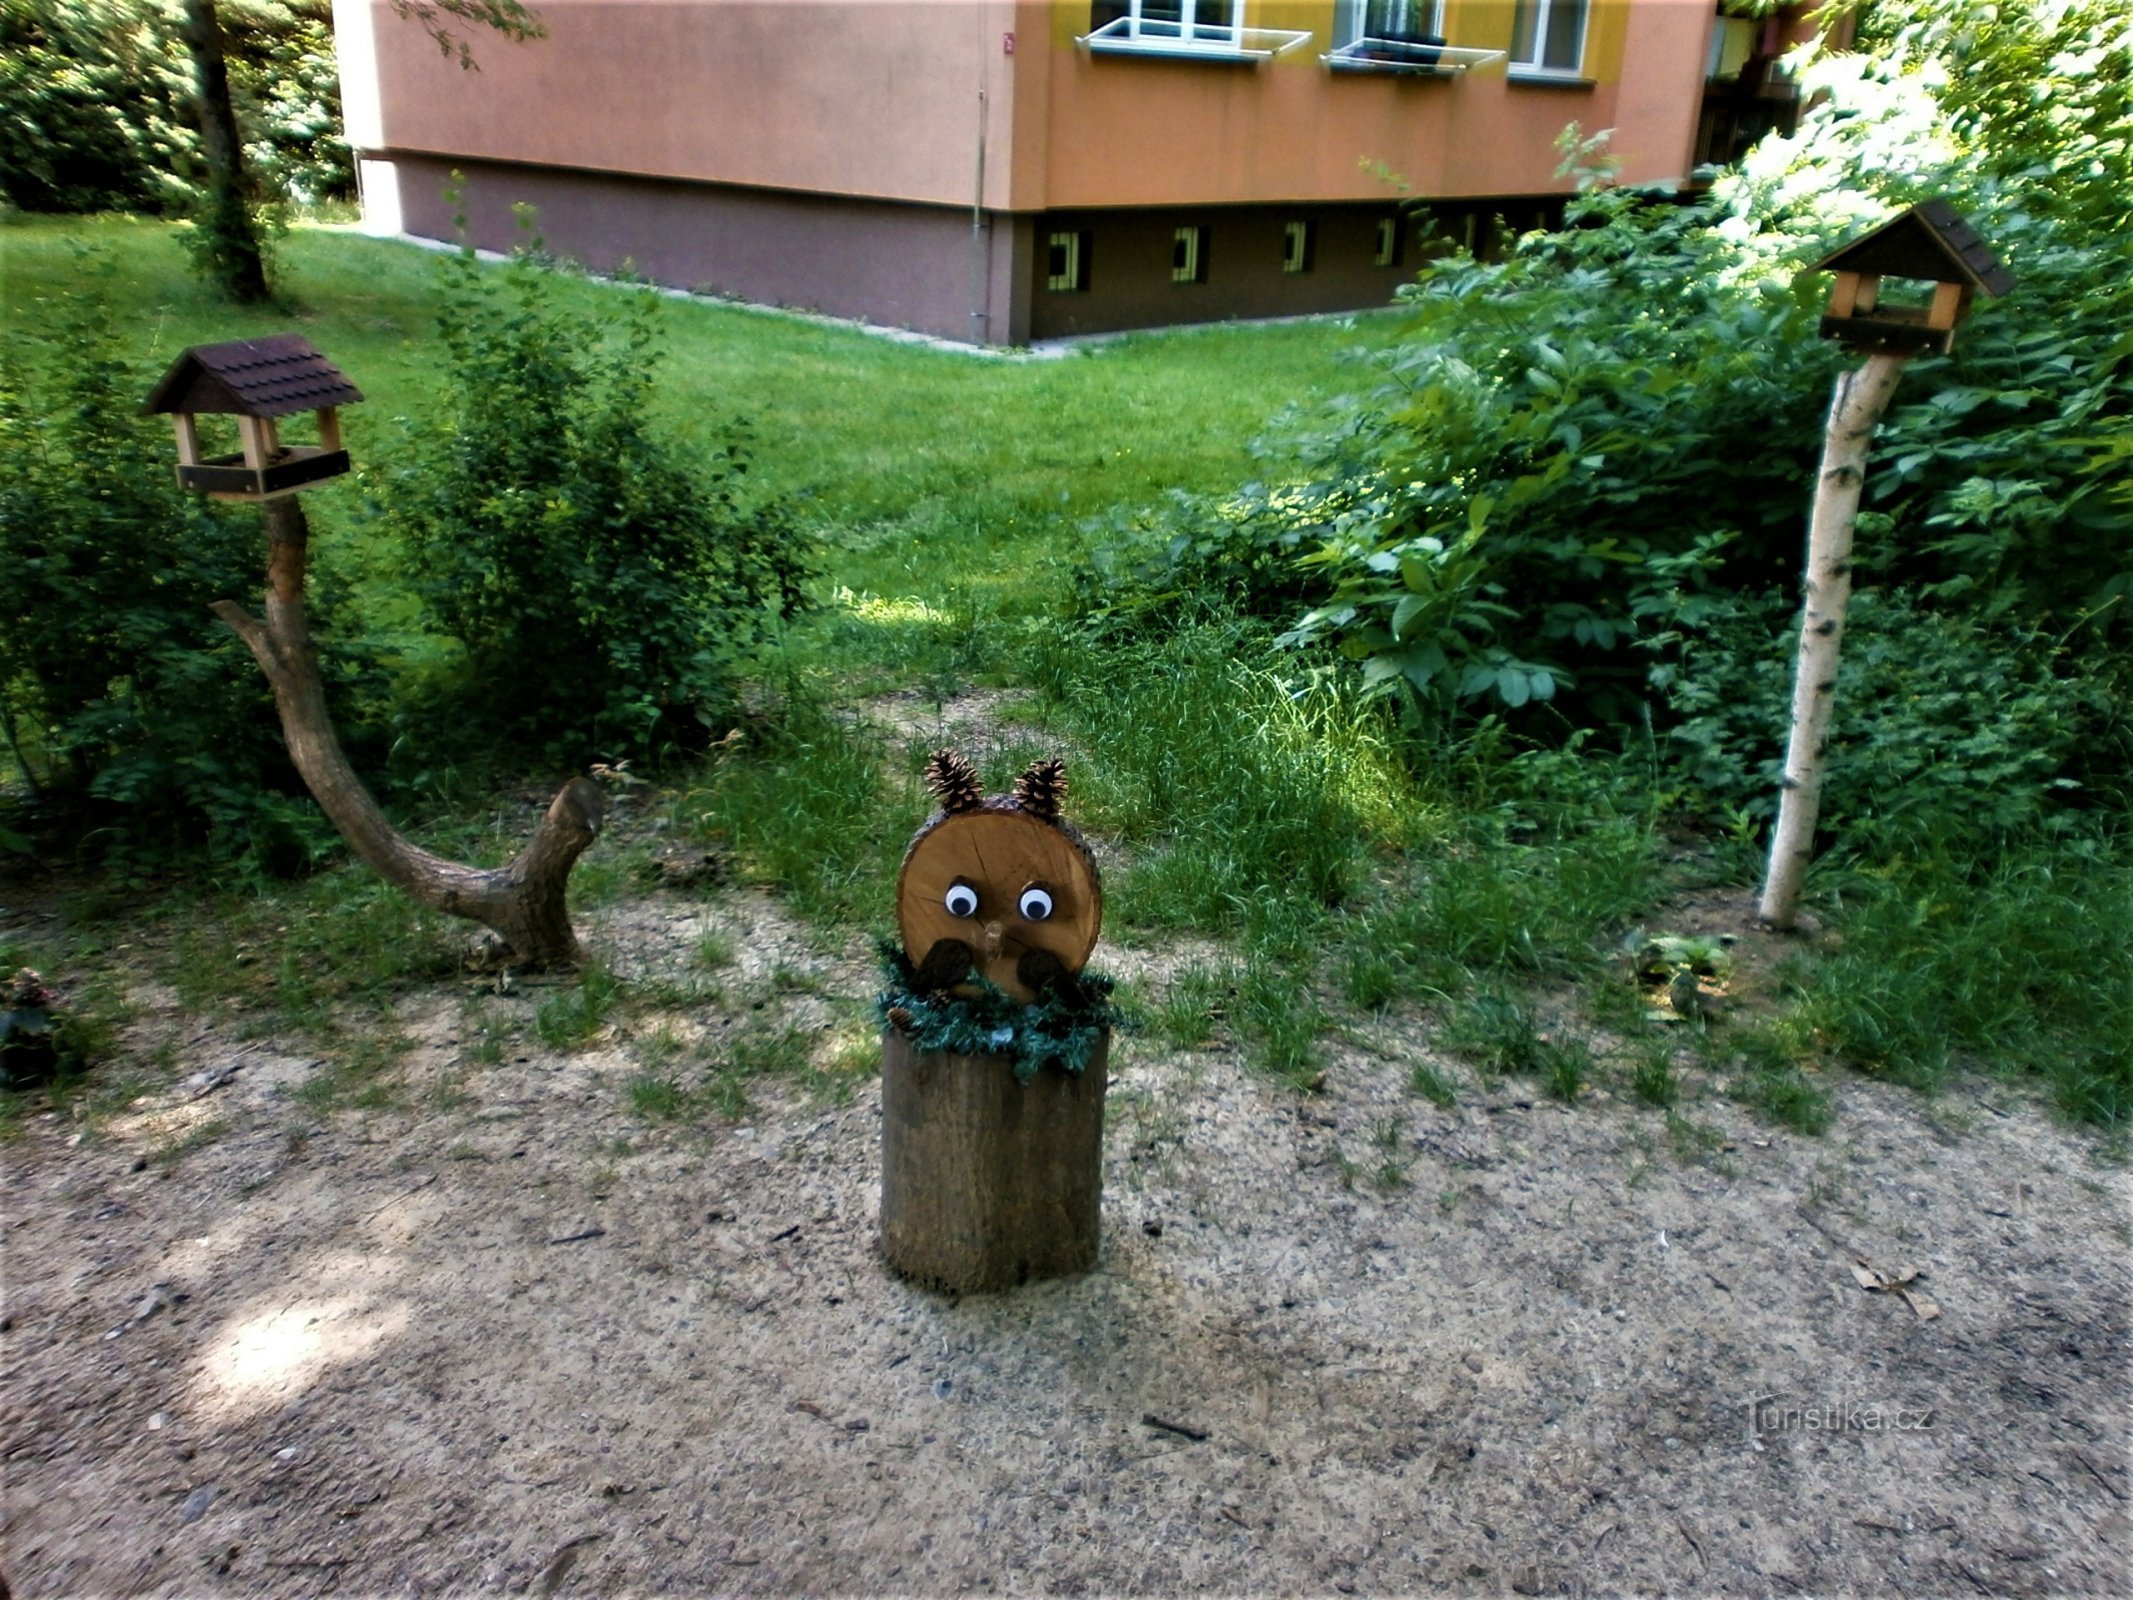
{"x":1928,"y":241}
{"x":277,"y":376}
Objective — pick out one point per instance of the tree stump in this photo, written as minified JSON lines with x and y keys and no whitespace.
{"x":986,"y":1182}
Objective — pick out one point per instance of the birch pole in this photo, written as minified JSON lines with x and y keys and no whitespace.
{"x":1861,"y":398}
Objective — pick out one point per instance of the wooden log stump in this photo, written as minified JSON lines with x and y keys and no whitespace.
{"x":986,"y":1182}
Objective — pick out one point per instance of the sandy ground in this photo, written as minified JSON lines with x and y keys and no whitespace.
{"x":512,"y":1339}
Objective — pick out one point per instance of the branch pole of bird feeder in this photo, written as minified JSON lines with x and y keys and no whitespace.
{"x":1862,"y":396}
{"x":522,"y":902}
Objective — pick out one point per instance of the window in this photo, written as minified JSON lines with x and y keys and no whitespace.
{"x":1067,"y":263}
{"x":1548,"y":38}
{"x":1394,"y":21}
{"x":1298,"y":246}
{"x":1192,"y":30}
{"x":1388,"y":251}
{"x":1219,"y":22}
{"x":1188,"y":256}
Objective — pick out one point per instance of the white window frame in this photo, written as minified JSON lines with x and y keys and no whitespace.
{"x":1204,"y":30}
{"x":1542,"y":14}
{"x":1194,"y":18}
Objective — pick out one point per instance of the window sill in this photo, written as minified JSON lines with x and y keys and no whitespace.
{"x":1406,"y":60}
{"x":1537,"y":78}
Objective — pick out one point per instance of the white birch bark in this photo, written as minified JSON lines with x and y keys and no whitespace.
{"x":1860,"y":399}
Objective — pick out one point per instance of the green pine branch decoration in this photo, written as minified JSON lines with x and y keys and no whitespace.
{"x":1062,"y":1027}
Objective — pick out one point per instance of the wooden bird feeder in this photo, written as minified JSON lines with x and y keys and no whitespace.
{"x":1928,"y":245}
{"x":258,"y":381}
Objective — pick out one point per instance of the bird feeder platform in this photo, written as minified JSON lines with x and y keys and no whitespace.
{"x":259,"y":382}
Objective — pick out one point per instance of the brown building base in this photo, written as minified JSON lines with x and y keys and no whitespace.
{"x":1000,"y":278}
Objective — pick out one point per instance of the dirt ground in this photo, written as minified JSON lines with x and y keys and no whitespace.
{"x":514,"y":1339}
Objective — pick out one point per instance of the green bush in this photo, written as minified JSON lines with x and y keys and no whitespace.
{"x":1572,"y":443}
{"x":137,"y":722}
{"x":1945,"y":725}
{"x":605,"y":582}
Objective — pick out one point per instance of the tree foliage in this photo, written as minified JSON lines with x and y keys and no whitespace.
{"x":96,"y":103}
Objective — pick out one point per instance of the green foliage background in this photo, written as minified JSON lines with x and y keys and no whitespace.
{"x":95,"y":104}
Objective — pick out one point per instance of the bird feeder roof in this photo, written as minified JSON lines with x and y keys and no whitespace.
{"x":272,"y":377}
{"x":1928,"y":241}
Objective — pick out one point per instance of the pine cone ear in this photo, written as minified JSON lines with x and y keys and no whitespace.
{"x":1041,"y":787}
{"x":953,"y":781}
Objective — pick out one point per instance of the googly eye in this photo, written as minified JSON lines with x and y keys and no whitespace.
{"x":1036,"y":904}
{"x":961,"y":900}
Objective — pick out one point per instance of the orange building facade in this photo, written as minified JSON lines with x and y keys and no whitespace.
{"x":1006,"y":170}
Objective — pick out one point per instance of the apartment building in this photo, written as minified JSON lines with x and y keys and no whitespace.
{"x":1007,"y":170}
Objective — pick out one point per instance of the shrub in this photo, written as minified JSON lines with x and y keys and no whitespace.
{"x":137,"y":722}
{"x":605,"y":583}
{"x":1945,"y":725}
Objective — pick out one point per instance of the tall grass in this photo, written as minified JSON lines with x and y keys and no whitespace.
{"x":806,"y":804}
{"x":1236,"y":787}
{"x":2022,"y":965}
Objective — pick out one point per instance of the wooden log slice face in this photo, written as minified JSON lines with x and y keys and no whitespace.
{"x":1005,"y":883}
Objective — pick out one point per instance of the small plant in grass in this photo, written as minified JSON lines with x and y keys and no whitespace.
{"x":1247,"y":793}
{"x":1388,"y":1136}
{"x":714,"y":949}
{"x":1433,"y":1085}
{"x":657,"y":1096}
{"x":1563,"y":1074}
{"x":802,"y":808}
{"x":572,"y":1016}
{"x":356,"y":1070}
{"x":198,"y":1137}
{"x":1773,"y":1083}
{"x":1185,"y":1015}
{"x":1277,"y":1018}
{"x":1652,"y":1080}
{"x":2019,"y":962}
{"x":1501,"y":1034}
{"x":1691,"y":1140}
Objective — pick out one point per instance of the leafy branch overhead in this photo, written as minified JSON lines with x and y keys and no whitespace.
{"x":437,"y":18}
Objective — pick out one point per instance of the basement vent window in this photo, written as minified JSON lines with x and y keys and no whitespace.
{"x":1297,"y":246}
{"x":1388,"y":251}
{"x":1188,"y":256}
{"x":1067,"y":263}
